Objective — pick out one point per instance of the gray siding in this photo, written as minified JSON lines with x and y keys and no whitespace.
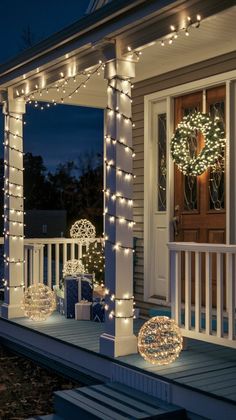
{"x":187,"y":74}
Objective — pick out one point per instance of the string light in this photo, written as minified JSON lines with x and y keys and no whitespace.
{"x":122,"y":142}
{"x":83,"y":230}
{"x":30,"y":99}
{"x":73,"y":267}
{"x":114,"y":196}
{"x":214,"y":143}
{"x":14,"y":190}
{"x":175,"y":31}
{"x":160,"y":341}
{"x":39,"y":302}
{"x":128,"y":175}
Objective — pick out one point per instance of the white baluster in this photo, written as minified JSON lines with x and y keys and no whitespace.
{"x":188,"y":280}
{"x":49,"y":265}
{"x":57,"y":262}
{"x":197,"y":291}
{"x":230,"y":287}
{"x":219,"y":293}
{"x":208,"y":293}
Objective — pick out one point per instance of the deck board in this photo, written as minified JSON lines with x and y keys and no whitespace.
{"x":203,"y":366}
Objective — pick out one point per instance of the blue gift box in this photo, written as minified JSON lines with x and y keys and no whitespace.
{"x":98,"y":310}
{"x":76,"y":289}
{"x":60,"y":302}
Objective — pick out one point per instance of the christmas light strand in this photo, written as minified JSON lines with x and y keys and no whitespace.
{"x":175,"y":31}
{"x":121,"y":219}
{"x":114,"y":141}
{"x":119,"y":114}
{"x":13,"y":134}
{"x":114,"y":196}
{"x":30,"y":98}
{"x":110,"y":164}
{"x":210,"y":153}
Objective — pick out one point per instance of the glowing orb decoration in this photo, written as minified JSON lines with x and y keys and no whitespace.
{"x":39,"y":302}
{"x":83,"y":230}
{"x":160,"y":341}
{"x":73,"y":268}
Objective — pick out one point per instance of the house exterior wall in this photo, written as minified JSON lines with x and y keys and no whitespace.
{"x":45,"y":223}
{"x":187,"y":74}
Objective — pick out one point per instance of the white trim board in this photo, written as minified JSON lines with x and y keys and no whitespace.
{"x":168,"y":95}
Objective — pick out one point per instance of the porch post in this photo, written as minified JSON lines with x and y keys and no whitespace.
{"x":118,"y":338}
{"x":13,"y":208}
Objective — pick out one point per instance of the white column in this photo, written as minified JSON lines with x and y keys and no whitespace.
{"x":118,"y":338}
{"x":13,"y":209}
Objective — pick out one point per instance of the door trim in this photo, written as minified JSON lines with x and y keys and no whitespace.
{"x":168,"y":95}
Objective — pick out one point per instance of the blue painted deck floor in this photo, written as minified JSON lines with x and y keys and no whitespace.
{"x":205,"y":367}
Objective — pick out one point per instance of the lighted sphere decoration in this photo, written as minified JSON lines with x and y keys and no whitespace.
{"x":73,"y":268}
{"x":39,"y":302}
{"x":160,"y":341}
{"x":83,"y":230}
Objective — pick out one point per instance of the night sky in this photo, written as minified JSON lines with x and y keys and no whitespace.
{"x":64,"y":132}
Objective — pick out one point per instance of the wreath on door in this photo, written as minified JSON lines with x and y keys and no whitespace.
{"x":209,"y":154}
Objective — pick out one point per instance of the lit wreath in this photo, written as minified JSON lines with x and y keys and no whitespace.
{"x":210,"y":153}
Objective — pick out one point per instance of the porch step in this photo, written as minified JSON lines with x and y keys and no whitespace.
{"x":113,"y":402}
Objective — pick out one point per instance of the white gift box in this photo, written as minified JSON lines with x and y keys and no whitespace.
{"x":83,"y":310}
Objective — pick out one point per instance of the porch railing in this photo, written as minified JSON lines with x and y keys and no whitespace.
{"x":202,"y":278}
{"x":45,"y":257}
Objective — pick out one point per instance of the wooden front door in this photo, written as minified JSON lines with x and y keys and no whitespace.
{"x":199,"y":202}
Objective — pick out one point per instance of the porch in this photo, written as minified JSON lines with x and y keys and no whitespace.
{"x":202,"y":380}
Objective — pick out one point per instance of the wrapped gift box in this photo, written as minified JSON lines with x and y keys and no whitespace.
{"x":83,"y":310}
{"x":98,"y":310}
{"x":60,"y":300}
{"x":76,"y":289}
{"x":85,"y":287}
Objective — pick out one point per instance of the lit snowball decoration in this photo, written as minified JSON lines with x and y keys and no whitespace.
{"x":160,"y":341}
{"x":39,"y":302}
{"x":73,"y":268}
{"x":83,"y":230}
{"x":210,"y":153}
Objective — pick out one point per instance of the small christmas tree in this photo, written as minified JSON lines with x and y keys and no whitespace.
{"x":94,"y":262}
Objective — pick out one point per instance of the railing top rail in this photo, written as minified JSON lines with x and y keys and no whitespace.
{"x":200,"y":247}
{"x":55,"y":241}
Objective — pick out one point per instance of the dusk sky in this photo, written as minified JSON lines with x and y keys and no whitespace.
{"x":64,"y":132}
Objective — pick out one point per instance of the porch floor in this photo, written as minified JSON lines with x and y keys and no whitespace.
{"x":205,"y":367}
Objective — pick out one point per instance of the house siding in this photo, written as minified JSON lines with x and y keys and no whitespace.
{"x":191,"y":73}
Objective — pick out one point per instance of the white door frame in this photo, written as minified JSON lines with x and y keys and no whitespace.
{"x":168,"y":94}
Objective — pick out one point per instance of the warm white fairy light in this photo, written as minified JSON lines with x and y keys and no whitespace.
{"x":160,"y":341}
{"x":13,"y":228}
{"x":83,"y":230}
{"x":175,"y":31}
{"x":73,"y":267}
{"x":63,"y":86}
{"x":210,"y":153}
{"x":38,"y":302}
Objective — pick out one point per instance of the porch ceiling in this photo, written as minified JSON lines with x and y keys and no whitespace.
{"x":216,"y":36}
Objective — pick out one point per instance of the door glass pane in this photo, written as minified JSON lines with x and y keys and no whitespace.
{"x":161,"y":162}
{"x":216,"y":184}
{"x":190,"y":182}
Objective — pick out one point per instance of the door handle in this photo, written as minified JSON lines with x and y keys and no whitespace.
{"x":175,"y":221}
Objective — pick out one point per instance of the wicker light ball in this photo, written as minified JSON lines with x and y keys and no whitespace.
{"x":160,"y":341}
{"x":73,"y":268}
{"x":83,"y":230}
{"x":39,"y":302}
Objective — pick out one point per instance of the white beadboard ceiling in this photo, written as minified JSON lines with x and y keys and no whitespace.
{"x":216,"y":36}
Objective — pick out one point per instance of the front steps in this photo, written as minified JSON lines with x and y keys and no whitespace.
{"x":113,"y":402}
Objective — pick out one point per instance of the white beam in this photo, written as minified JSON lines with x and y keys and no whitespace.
{"x":118,"y":338}
{"x":13,"y":208}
